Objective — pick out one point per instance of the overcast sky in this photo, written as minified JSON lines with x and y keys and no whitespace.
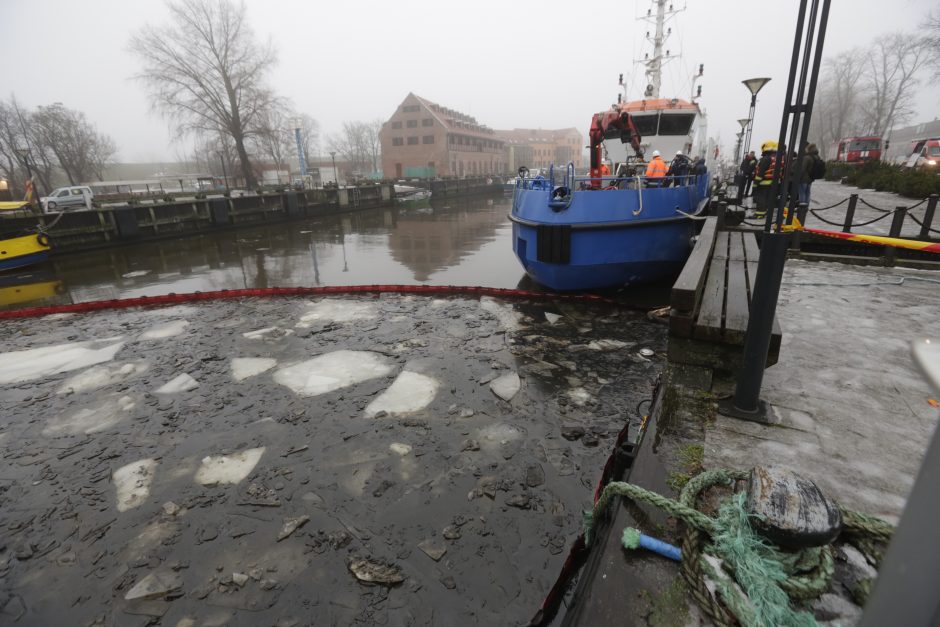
{"x":541,"y":64}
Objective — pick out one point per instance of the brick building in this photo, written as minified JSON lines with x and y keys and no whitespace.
{"x":423,"y":140}
{"x":539,"y":148}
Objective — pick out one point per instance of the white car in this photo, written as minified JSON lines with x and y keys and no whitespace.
{"x":65,"y":197}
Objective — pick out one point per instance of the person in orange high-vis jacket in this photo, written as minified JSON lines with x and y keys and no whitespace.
{"x":656,"y":170}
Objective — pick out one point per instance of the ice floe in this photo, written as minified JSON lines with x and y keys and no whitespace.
{"x":506,"y":386}
{"x":132,"y":483}
{"x":331,"y":310}
{"x":267,"y":333}
{"x":492,"y":437}
{"x":552,"y":318}
{"x":333,"y":371}
{"x":245,"y":367}
{"x":165,"y":330}
{"x":36,"y":363}
{"x":135,"y":274}
{"x":91,"y":419}
{"x":508,"y":318}
{"x":98,"y":377}
{"x":181,"y":383}
{"x":410,"y":392}
{"x":228,"y":468}
{"x":399,"y":448}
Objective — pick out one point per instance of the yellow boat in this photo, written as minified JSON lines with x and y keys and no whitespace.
{"x":29,"y":292}
{"x":16,"y":252}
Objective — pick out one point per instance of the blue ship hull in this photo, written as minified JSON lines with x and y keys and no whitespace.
{"x":603,"y":238}
{"x":24,"y":260}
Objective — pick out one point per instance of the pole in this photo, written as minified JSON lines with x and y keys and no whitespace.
{"x":797,"y":115}
{"x":224,"y":173}
{"x":335,"y":172}
{"x":750,"y":124}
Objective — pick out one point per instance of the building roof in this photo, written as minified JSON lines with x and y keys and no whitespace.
{"x":536,"y":135}
{"x":452,"y":119}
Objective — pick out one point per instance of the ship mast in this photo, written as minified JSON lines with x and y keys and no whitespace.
{"x":654,"y":65}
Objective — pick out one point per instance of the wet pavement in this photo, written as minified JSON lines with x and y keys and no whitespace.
{"x":874,"y":213}
{"x":395,"y":460}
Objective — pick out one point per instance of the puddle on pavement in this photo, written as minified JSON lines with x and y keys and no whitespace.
{"x":292,"y":459}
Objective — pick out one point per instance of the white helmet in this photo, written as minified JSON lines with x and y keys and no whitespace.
{"x":678,"y":153}
{"x":655,"y":153}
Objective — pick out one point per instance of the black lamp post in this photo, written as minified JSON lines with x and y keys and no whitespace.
{"x":335,"y":173}
{"x":23,"y":154}
{"x":738,"y":155}
{"x":754,"y":85}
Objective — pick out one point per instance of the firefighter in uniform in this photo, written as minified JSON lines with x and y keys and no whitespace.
{"x":764,"y":178}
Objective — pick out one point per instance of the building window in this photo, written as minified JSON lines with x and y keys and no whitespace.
{"x":397,"y":141}
{"x":452,"y":139}
{"x":413,"y":140}
{"x":427,"y":122}
{"x":396,"y":124}
{"x":411,"y":108}
{"x":412,"y":124}
{"x":427,"y":139}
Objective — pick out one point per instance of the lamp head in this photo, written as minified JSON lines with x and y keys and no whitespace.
{"x":755,"y":84}
{"x":743,"y":122}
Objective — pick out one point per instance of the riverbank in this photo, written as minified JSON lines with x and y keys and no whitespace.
{"x":849,"y":411}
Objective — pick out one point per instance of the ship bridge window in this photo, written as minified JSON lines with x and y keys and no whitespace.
{"x":676,"y":123}
{"x":646,"y":124}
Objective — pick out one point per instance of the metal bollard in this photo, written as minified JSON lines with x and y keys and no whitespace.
{"x":928,"y":217}
{"x":897,"y":222}
{"x":850,"y":214}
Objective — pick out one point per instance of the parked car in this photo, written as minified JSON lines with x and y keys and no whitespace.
{"x":64,"y":197}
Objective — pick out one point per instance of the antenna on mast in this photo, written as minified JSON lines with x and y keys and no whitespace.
{"x":654,"y":65}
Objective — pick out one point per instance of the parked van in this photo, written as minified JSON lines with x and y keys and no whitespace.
{"x":63,"y":198}
{"x":925,"y":154}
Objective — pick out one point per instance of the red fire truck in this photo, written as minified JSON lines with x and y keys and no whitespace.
{"x":859,"y":149}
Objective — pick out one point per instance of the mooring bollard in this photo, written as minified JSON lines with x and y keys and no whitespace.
{"x":801,"y":210}
{"x":850,"y":214}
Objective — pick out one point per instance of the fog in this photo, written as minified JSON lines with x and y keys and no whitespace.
{"x":510,"y":64}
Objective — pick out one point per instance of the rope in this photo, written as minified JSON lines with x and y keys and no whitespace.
{"x":921,"y":224}
{"x":464,"y":290}
{"x":841,"y":202}
{"x":868,"y":204}
{"x":770,"y":578}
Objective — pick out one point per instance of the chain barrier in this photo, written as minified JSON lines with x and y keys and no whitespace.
{"x":921,"y":224}
{"x":841,"y":202}
{"x":868,"y":204}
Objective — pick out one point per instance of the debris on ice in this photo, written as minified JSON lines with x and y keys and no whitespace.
{"x":333,"y":371}
{"x":492,"y":437}
{"x":245,"y":367}
{"x":552,"y":318}
{"x":132,"y":483}
{"x":91,"y":419}
{"x":506,"y":386}
{"x":410,"y":392}
{"x":98,"y":377}
{"x":165,"y":330}
{"x":267,"y":333}
{"x":579,"y":396}
{"x":35,"y":363}
{"x":607,"y":345}
{"x":181,"y":383}
{"x":372,"y":571}
{"x":508,"y":318}
{"x":155,"y":585}
{"x":228,"y":468}
{"x":135,"y":274}
{"x":334,"y":310}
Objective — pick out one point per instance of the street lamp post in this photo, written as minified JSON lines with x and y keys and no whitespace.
{"x":23,"y":154}
{"x":754,"y":85}
{"x":224,"y":173}
{"x":335,"y":173}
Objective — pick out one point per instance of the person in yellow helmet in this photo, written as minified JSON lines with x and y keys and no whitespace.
{"x":764,"y":177}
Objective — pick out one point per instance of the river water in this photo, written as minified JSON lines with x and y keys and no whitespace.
{"x":270,"y":461}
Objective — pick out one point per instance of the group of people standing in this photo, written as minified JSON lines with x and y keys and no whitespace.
{"x":758,"y":174}
{"x":661,"y":175}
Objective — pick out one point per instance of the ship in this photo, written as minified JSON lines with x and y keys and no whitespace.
{"x":617,"y":227}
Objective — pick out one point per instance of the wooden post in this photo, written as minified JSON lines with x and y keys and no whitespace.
{"x":850,"y":214}
{"x":720,"y":214}
{"x":928,"y":217}
{"x":897,"y":222}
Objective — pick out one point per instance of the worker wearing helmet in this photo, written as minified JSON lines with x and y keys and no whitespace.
{"x":678,"y":169}
{"x":656,"y":170}
{"x":764,"y":177}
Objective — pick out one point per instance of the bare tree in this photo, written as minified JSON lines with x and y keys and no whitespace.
{"x":358,"y":144}
{"x":893,"y":67}
{"x":932,"y":28}
{"x":80,"y":151}
{"x":206,"y":72}
{"x":372,"y":141}
{"x":836,"y":111}
{"x":274,"y":139}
